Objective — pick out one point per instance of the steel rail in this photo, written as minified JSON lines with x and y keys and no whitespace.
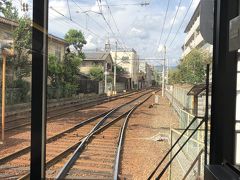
{"x":63,"y":133}
{"x":121,"y":138}
{"x":95,"y":130}
{"x":82,"y":106}
{"x":70,"y":149}
{"x":27,"y":149}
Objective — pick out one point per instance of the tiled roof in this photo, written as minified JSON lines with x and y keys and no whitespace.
{"x":100,"y":56}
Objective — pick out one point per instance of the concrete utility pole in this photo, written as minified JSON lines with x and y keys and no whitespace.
{"x":105,"y":74}
{"x":167,"y":71}
{"x":115,"y":73}
{"x":4,"y":57}
{"x":163,"y":71}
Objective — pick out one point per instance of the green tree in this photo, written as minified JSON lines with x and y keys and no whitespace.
{"x":55,"y":71}
{"x":71,"y":65}
{"x":8,"y":10}
{"x":96,"y":73}
{"x":120,"y":70}
{"x":191,"y":69}
{"x":76,"y":38}
{"x":22,"y":36}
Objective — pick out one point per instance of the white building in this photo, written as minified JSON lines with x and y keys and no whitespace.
{"x":146,"y":71}
{"x":129,"y":61}
{"x":193,"y":37}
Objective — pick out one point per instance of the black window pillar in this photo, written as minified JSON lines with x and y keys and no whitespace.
{"x":39,"y":81}
{"x":222,"y":143}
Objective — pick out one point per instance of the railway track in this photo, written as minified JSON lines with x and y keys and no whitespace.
{"x":22,"y":119}
{"x":62,"y":145}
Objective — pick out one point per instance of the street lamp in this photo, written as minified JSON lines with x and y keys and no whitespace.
{"x":6,"y":51}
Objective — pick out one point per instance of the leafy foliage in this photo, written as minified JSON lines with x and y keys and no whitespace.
{"x":22,"y":36}
{"x":76,"y":38}
{"x":191,"y":69}
{"x":96,"y":73}
{"x":119,"y":69}
{"x":8,"y":10}
{"x":64,"y":74}
{"x":71,"y":65}
{"x":55,"y":71}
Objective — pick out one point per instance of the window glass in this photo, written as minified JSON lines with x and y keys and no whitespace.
{"x":15,"y":88}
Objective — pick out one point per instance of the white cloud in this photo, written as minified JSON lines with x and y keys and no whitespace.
{"x":140,"y":27}
{"x":160,"y":48}
{"x":90,"y":44}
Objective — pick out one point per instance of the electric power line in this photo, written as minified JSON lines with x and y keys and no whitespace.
{"x":164,"y":21}
{"x":89,"y":16}
{"x":181,"y":23}
{"x":109,"y":26}
{"x":76,"y":23}
{"x":69,"y":11}
{"x":115,"y":23}
{"x":174,"y":19}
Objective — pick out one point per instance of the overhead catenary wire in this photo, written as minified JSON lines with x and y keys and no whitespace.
{"x":115,"y":23}
{"x":164,"y":22}
{"x":181,"y":23}
{"x":174,"y":19}
{"x":109,"y":26}
{"x":69,"y":11}
{"x":76,"y":23}
{"x":68,"y":20}
{"x":90,"y":16}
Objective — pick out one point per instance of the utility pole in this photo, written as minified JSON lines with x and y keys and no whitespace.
{"x":4,"y":57}
{"x":167,"y":71}
{"x":105,"y":74}
{"x":115,"y":72}
{"x":163,"y":71}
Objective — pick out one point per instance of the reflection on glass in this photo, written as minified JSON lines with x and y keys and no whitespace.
{"x":15,"y":37}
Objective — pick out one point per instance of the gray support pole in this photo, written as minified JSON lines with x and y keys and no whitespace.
{"x":115,"y":72}
{"x":39,"y":82}
{"x":163,"y":72}
{"x":105,"y":78}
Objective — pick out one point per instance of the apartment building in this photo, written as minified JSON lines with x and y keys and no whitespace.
{"x":193,"y":37}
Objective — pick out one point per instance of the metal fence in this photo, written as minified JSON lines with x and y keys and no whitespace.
{"x":191,"y":154}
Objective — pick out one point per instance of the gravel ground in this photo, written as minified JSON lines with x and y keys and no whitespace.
{"x":142,"y":148}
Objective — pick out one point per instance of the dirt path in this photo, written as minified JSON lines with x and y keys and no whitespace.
{"x":143,"y":149}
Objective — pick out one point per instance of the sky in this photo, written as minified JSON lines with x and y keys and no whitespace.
{"x":132,"y":25}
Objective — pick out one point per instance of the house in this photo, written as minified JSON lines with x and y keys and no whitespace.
{"x":99,"y":59}
{"x":56,"y":45}
{"x":129,"y":61}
